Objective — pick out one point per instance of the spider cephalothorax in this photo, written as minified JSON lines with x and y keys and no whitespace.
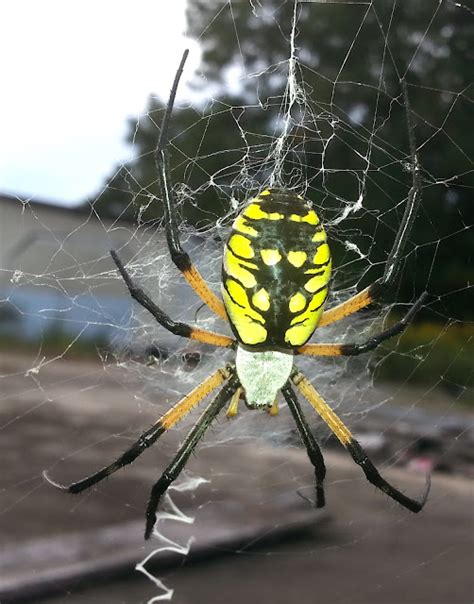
{"x":275,"y":280}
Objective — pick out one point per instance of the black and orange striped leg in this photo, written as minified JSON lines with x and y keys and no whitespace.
{"x":180,"y":258}
{"x":335,"y":350}
{"x":176,"y":466}
{"x":373,"y":476}
{"x":175,"y":327}
{"x":355,"y":303}
{"x":150,"y":436}
{"x":309,"y":441}
{"x":392,"y":265}
{"x":350,"y":443}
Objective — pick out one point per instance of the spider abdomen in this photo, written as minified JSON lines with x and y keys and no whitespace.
{"x":276,"y":271}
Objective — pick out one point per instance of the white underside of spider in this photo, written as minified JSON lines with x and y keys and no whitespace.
{"x":262,"y":374}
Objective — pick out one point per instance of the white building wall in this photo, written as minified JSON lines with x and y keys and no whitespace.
{"x":56,"y":270}
{"x":56,"y":273}
{"x":54,"y":243}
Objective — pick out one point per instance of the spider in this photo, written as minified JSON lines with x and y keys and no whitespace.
{"x":275,"y":281}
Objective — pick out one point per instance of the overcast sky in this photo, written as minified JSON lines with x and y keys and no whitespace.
{"x":72,"y":72}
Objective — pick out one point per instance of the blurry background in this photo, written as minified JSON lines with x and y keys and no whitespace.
{"x":306,"y":93}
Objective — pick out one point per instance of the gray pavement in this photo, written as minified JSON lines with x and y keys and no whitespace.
{"x":72,"y":417}
{"x":369,"y":552}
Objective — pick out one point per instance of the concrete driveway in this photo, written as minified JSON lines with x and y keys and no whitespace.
{"x":74,"y":416}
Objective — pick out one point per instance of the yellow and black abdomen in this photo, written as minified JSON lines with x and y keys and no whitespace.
{"x":276,"y":271}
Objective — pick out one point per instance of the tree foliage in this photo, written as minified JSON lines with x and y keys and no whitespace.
{"x":351,"y":59}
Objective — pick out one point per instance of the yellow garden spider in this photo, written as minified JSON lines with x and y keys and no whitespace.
{"x":275,"y":281}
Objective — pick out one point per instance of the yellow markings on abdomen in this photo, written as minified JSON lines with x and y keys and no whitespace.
{"x":303,"y":325}
{"x":322,"y":254}
{"x":322,"y":270}
{"x":319,"y":236}
{"x":316,"y":302}
{"x":241,"y":246}
{"x":234,"y":267}
{"x":276,"y":271}
{"x":297,"y":302}
{"x":261,"y":299}
{"x":237,"y":293}
{"x":245,"y":319}
{"x":255,"y":212}
{"x":318,"y":281}
{"x":297,"y":258}
{"x":311,"y":218}
{"x":270,"y":257}
{"x":241,"y":225}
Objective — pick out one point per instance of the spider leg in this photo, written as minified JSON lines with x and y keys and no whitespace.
{"x":352,"y":305}
{"x":309,"y":441}
{"x":176,"y":466}
{"x":180,"y":258}
{"x":392,"y":265}
{"x":355,"y":349}
{"x":177,"y":328}
{"x":348,"y":441}
{"x":150,"y":436}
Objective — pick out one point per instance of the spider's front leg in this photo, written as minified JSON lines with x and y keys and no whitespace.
{"x":335,"y":350}
{"x":175,"y":327}
{"x":179,"y":257}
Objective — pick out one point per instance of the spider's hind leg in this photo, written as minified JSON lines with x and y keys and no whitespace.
{"x":175,"y":327}
{"x":311,"y":444}
{"x":345,"y":437}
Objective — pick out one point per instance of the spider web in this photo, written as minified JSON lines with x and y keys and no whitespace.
{"x":325,"y":132}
